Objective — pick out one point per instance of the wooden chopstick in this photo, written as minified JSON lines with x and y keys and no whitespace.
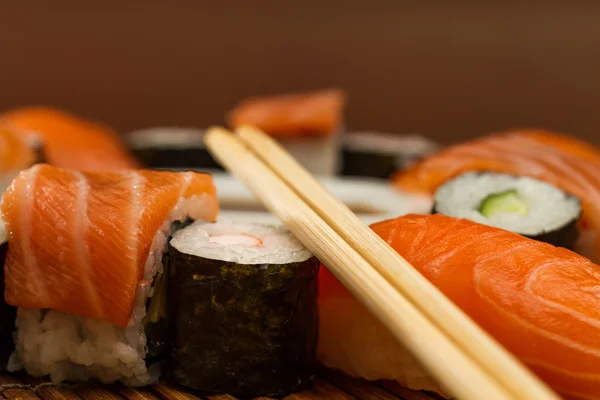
{"x":446,"y":361}
{"x":499,"y":363}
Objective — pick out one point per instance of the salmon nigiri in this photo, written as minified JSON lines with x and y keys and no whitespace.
{"x":569,"y":164}
{"x":72,"y":142}
{"x":312,"y":114}
{"x":87,"y":247}
{"x":537,"y":300}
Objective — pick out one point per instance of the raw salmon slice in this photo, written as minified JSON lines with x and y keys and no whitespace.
{"x":72,"y":142}
{"x":79,"y":242}
{"x":539,"y":301}
{"x":566,"y":163}
{"x":311,"y":114}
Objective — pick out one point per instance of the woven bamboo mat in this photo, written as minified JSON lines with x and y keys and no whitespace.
{"x":328,"y":385}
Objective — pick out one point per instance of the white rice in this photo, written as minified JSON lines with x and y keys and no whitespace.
{"x":548,"y":207}
{"x":226,"y":241}
{"x":71,"y":347}
{"x":3,"y":235}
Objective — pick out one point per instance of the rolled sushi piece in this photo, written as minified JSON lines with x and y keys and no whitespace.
{"x":379,"y":155}
{"x":7,"y":312}
{"x":84,"y":267}
{"x":171,"y":147}
{"x":523,"y":205}
{"x":246,"y":300}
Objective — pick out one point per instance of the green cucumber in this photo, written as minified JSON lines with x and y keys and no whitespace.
{"x":504,"y":202}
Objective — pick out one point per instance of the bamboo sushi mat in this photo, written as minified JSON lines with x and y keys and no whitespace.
{"x":328,"y":385}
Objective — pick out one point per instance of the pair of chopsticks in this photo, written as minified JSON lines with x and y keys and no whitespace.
{"x":460,"y":355}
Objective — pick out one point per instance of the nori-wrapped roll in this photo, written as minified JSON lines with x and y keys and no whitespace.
{"x":243,"y":301}
{"x":171,"y":147}
{"x":8,"y":313}
{"x":522,"y":205}
{"x":379,"y":155}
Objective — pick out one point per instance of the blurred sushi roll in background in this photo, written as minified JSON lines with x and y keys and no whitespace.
{"x":246,"y":300}
{"x":522,"y":205}
{"x":309,"y":125}
{"x":171,"y":147}
{"x":562,"y":161}
{"x":379,"y":155}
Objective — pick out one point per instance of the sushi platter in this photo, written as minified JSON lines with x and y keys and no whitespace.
{"x":184,"y":263}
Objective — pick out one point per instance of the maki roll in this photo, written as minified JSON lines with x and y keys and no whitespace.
{"x":522,"y":205}
{"x":379,"y":155}
{"x":171,"y":147}
{"x":7,"y":312}
{"x":246,"y":300}
{"x":84,"y":267}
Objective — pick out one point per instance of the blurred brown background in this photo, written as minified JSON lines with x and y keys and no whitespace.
{"x":451,"y":70}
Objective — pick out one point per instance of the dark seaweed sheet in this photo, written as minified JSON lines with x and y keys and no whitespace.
{"x":245,"y":330}
{"x":8,"y":315}
{"x":156,"y":157}
{"x":157,"y":332}
{"x":368,"y":164}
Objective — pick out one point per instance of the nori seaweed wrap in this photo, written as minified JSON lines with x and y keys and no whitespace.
{"x":244,"y":318}
{"x":8,"y":313}
{"x":378,"y":155}
{"x":522,"y":205}
{"x":170,"y":147}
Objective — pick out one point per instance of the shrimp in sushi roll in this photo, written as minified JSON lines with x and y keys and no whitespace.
{"x":246,"y":319}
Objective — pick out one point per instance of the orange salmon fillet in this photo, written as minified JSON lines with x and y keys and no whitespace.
{"x":569,"y":164}
{"x":311,"y":114}
{"x":539,"y":301}
{"x":72,"y":142}
{"x":78,"y":242}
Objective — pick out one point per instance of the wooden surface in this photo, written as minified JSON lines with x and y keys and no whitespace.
{"x":329,"y":385}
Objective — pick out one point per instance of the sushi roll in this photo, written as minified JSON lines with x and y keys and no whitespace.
{"x":522,"y":205}
{"x":84,"y":267}
{"x":7,"y":312}
{"x":561,"y":160}
{"x":246,"y":300}
{"x":171,"y":147}
{"x":379,"y":155}
{"x":308,"y":125}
